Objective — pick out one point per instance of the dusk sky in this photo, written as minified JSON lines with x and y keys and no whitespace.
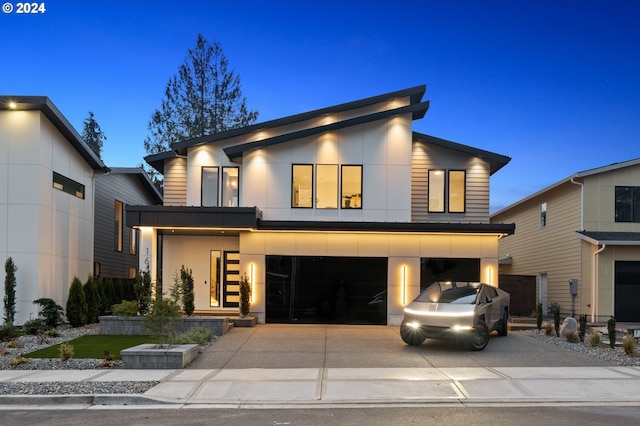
{"x":555,"y":85}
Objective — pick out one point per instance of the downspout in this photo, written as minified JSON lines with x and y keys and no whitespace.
{"x":594,"y":282}
{"x":581,"y":202}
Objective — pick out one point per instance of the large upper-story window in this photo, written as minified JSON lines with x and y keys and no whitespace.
{"x":447,"y":191}
{"x":351,"y":194}
{"x":302,"y":186}
{"x":210,"y":184}
{"x":230,"y":186}
{"x":627,"y":204}
{"x":457,"y":190}
{"x":436,"y":191}
{"x":327,"y":186}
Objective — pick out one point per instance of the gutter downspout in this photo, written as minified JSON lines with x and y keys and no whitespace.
{"x":581,"y":201}
{"x":594,"y":282}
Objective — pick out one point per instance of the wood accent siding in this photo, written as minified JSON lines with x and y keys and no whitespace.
{"x":425,"y":157}
{"x":175,"y":182}
{"x":554,"y":249}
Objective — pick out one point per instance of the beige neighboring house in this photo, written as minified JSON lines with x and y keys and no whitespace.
{"x":585,"y":229}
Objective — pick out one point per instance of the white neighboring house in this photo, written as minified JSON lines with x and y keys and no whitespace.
{"x":47,"y":177}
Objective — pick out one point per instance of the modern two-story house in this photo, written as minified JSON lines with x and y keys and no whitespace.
{"x":337,"y":215}
{"x":581,"y":238}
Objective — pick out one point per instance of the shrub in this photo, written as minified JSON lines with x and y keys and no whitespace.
{"x":245,"y":296}
{"x":66,"y":351}
{"x":142,"y":287}
{"x":583,"y":327}
{"x":17,"y":361}
{"x":186,"y":277}
{"x":14,"y":344}
{"x":50,"y":311}
{"x":34,"y":326}
{"x":93,"y":300}
{"x":76,"y":304}
{"x":539,"y":316}
{"x":556,"y":318}
{"x":105,"y":302}
{"x":8,"y":332}
{"x":629,"y":345}
{"x":109,"y":291}
{"x":161,"y":321}
{"x":595,"y":339}
{"x":53,"y":332}
{"x":548,"y":328}
{"x":198,"y":335}
{"x":10,"y":269}
{"x":611,"y":328}
{"x":572,"y":337}
{"x":128,"y":308}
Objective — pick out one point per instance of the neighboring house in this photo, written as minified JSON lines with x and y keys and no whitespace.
{"x":115,"y":245}
{"x":337,"y":215}
{"x":46,"y":201}
{"x":585,"y":229}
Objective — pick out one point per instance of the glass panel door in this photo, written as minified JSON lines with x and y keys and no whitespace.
{"x":231,"y":279}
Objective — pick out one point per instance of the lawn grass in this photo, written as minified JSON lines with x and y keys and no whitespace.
{"x":93,"y":346}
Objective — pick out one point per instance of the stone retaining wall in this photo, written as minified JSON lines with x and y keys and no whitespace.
{"x":133,"y":326}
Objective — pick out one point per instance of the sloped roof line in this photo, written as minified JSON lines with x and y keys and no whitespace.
{"x":578,"y":175}
{"x":53,"y":114}
{"x":142,"y":176}
{"x":610,"y":238}
{"x":415,"y":93}
{"x":497,"y":161}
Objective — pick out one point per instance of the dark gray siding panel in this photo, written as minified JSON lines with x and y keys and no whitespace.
{"x":123,"y":187}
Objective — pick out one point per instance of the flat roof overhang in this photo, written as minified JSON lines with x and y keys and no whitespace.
{"x":233,"y":220}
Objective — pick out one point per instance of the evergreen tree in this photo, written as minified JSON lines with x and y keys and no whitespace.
{"x":10,"y":269}
{"x":93,"y":300}
{"x":76,"y":304}
{"x":93,"y":134}
{"x":203,"y":98}
{"x":143,"y":292}
{"x":105,"y":302}
{"x":186,"y":276}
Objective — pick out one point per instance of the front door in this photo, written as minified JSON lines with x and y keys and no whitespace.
{"x":231,"y":279}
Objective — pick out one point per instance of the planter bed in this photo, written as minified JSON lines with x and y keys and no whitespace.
{"x":149,"y":356}
{"x":135,"y":325}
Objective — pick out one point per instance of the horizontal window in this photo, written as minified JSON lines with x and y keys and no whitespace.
{"x":67,"y":185}
{"x":627,"y":204}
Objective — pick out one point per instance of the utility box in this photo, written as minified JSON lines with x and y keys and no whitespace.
{"x":573,"y":286}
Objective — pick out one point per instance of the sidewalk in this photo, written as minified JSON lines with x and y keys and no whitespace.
{"x":300,"y":365}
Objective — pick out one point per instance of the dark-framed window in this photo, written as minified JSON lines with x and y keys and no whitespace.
{"x":67,"y":185}
{"x":627,"y":204}
{"x":351,"y":187}
{"x":457,"y":191}
{"x":230,"y":186}
{"x":327,"y":186}
{"x":118,"y":224}
{"x":302,"y":185}
{"x":543,"y":215}
{"x":210,"y":184}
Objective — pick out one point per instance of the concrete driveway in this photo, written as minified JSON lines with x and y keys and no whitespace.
{"x":364,"y":346}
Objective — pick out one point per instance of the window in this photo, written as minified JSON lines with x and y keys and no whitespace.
{"x":627,"y":204}
{"x":209,"y":187}
{"x":229,"y":187}
{"x":118,"y":225}
{"x":436,"y":191}
{"x":67,"y":185}
{"x":302,"y":186}
{"x":351,"y":187}
{"x":133,"y":241}
{"x":543,"y":215}
{"x":214,"y":279}
{"x":327,"y":186}
{"x":457,"y":185}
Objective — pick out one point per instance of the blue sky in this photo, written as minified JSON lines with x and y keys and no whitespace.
{"x":555,"y":85}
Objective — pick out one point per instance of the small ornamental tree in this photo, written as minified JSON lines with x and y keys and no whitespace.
{"x":245,"y":296}
{"x":611,"y":328}
{"x":10,"y":269}
{"x":186,"y":278}
{"x":142,"y":288}
{"x":539,"y":316}
{"x":76,"y":304}
{"x":50,"y":311}
{"x":162,"y":320}
{"x":93,"y":300}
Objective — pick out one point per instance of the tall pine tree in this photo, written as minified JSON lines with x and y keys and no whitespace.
{"x":10,"y":269}
{"x":93,"y":134}
{"x":203,"y":98}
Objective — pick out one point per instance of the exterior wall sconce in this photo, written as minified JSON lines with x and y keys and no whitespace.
{"x":251,"y":267}
{"x":404,"y":285}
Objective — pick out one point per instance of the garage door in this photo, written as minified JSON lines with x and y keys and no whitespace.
{"x":627,"y":291}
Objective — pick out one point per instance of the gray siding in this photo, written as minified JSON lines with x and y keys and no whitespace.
{"x":175,"y":182}
{"x":123,"y":187}
{"x":425,"y":157}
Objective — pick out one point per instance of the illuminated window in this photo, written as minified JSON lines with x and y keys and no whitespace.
{"x":351,"y":194}
{"x":209,"y":187}
{"x":214,"y":279}
{"x":436,"y":191}
{"x":68,"y":185}
{"x":302,"y":186}
{"x":118,"y":225}
{"x":457,"y":185}
{"x":543,"y":215}
{"x":133,"y":241}
{"x":229,"y":187}
{"x":327,"y":186}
